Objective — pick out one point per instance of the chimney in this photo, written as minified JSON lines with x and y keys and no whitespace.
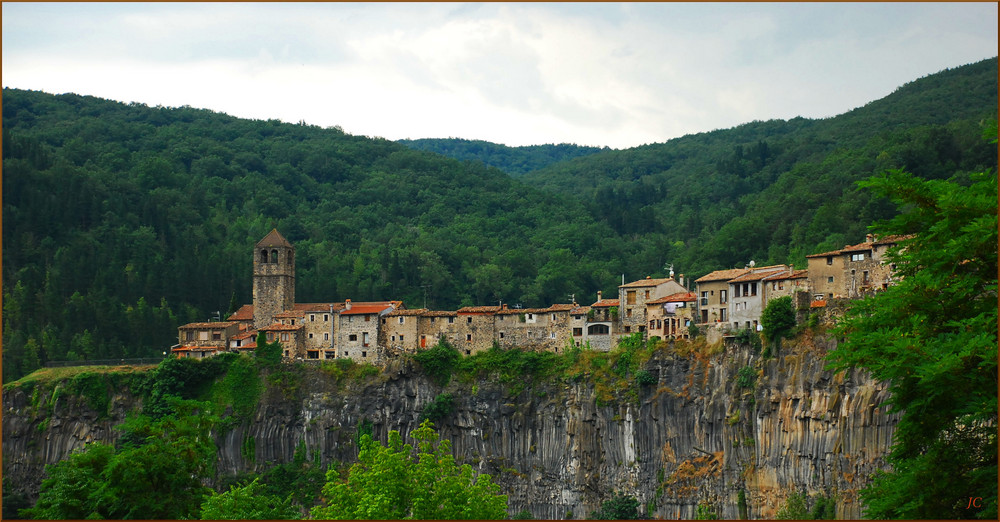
{"x":598,"y":295}
{"x":682,"y":280}
{"x":347,"y":304}
{"x":869,"y":238}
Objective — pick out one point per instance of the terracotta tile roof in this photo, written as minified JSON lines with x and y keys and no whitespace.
{"x":249,"y":334}
{"x":218,"y":325}
{"x":790,"y":274}
{"x":681,"y":297}
{"x":479,"y":310}
{"x":605,"y":303}
{"x":867,"y":245}
{"x":365,"y":309}
{"x":514,"y":311}
{"x":339,"y":307}
{"x":196,"y":349}
{"x":817,"y":304}
{"x":580,"y":310}
{"x":722,"y":275}
{"x":276,"y":327}
{"x":407,"y":313}
{"x":561,"y":307}
{"x":287,"y":314}
{"x":245,"y":313}
{"x":757,"y":275}
{"x":439,"y":313}
{"x":312,"y":307}
{"x":274,"y":238}
{"x":825,"y":254}
{"x":646,"y":282}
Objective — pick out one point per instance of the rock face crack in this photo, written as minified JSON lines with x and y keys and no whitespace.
{"x":694,"y":436}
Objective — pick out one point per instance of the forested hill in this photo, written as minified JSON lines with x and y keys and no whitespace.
{"x":774,"y":191}
{"x":516,"y":161}
{"x":122,"y":221}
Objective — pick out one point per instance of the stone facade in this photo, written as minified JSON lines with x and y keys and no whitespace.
{"x":853,"y":271}
{"x":273,"y":278}
{"x":634,"y":296}
{"x":670,"y":317}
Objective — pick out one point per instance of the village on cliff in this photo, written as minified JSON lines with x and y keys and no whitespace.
{"x":723,"y":302}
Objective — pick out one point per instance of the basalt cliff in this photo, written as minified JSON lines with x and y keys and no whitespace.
{"x":705,"y":430}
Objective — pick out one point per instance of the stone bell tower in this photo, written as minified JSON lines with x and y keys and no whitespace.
{"x":273,"y":278}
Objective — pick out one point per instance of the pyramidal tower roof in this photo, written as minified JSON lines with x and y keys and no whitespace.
{"x":274,"y":238}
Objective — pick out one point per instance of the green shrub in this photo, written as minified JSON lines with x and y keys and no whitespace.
{"x":439,"y":362}
{"x":438,"y":409}
{"x":644,"y":378}
{"x":747,"y":377}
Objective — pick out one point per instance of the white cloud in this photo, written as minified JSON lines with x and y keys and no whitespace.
{"x":598,"y":74}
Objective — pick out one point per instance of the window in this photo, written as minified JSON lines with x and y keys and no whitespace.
{"x":310,"y":336}
{"x":284,"y":336}
{"x":781,"y":285}
{"x":401,"y":320}
{"x":858,"y":257}
{"x":630,"y":297}
{"x":628,"y":312}
{"x":263,"y":256}
{"x":400,"y":338}
{"x":577,"y":332}
{"x":468,"y":338}
{"x":274,"y":256}
{"x":468,"y":352}
{"x":326,"y":337}
{"x":647,"y":294}
{"x":553,"y":317}
{"x":722,"y":314}
{"x":189,"y":335}
{"x":364,"y":338}
{"x":239,"y":342}
{"x":829,"y":279}
{"x":753,"y":288}
{"x":270,"y":336}
{"x":864,"y":277}
{"x":628,"y":329}
{"x":723,"y":297}
{"x":350,"y":318}
{"x":216,"y":336}
{"x":364,"y":354}
{"x":468,"y":319}
{"x":352,"y":337}
{"x":829,"y":260}
{"x":368,"y":318}
{"x":552,"y":335}
{"x":451,"y":320}
{"x":531,"y":317}
{"x":313,"y":354}
{"x":501,"y":335}
{"x":312,"y":318}
{"x":393,"y":338}
{"x":326,"y":317}
{"x":347,"y":354}
{"x":203,"y":335}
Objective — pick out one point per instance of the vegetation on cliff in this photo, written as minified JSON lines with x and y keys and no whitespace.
{"x":933,"y":337}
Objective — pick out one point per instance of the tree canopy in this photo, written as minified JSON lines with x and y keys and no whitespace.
{"x":397,"y":481}
{"x":933,"y":338}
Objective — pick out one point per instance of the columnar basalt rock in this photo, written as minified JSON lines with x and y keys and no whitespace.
{"x":700,"y":434}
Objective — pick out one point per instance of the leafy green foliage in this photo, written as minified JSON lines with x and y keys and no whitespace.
{"x":248,"y":502}
{"x":933,"y":337}
{"x":399,"y":482}
{"x":185,"y":378}
{"x":746,"y":378}
{"x":269,"y":354}
{"x":439,"y":409}
{"x":619,"y":507}
{"x":114,"y":212}
{"x":515,"y":161}
{"x":794,"y":508}
{"x":439,"y":362}
{"x":156,"y":473}
{"x":778,"y":318}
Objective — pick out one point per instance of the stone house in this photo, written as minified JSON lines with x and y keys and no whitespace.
{"x":854,"y":270}
{"x":746,"y":295}
{"x":318,"y":320}
{"x":477,"y":328}
{"x":289,"y":335}
{"x":602,"y":324}
{"x":199,"y":340}
{"x":273,"y":278}
{"x":539,"y":328}
{"x":713,"y":295}
{"x":578,"y":324}
{"x":401,"y":331}
{"x":436,"y":325}
{"x":632,"y":298}
{"x":356,"y":331}
{"x":669,"y":317}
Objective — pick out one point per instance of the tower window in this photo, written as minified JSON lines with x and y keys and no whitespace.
{"x":274,"y":256}
{"x":263,"y":256}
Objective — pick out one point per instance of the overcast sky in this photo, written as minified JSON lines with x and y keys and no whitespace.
{"x":610,"y":74}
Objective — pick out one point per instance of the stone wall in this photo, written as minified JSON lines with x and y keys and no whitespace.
{"x":694,"y":436}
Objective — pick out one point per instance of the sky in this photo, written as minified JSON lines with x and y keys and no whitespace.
{"x":602,"y":74}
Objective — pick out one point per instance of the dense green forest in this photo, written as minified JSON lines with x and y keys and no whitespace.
{"x":122,"y":221}
{"x":516,"y":161}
